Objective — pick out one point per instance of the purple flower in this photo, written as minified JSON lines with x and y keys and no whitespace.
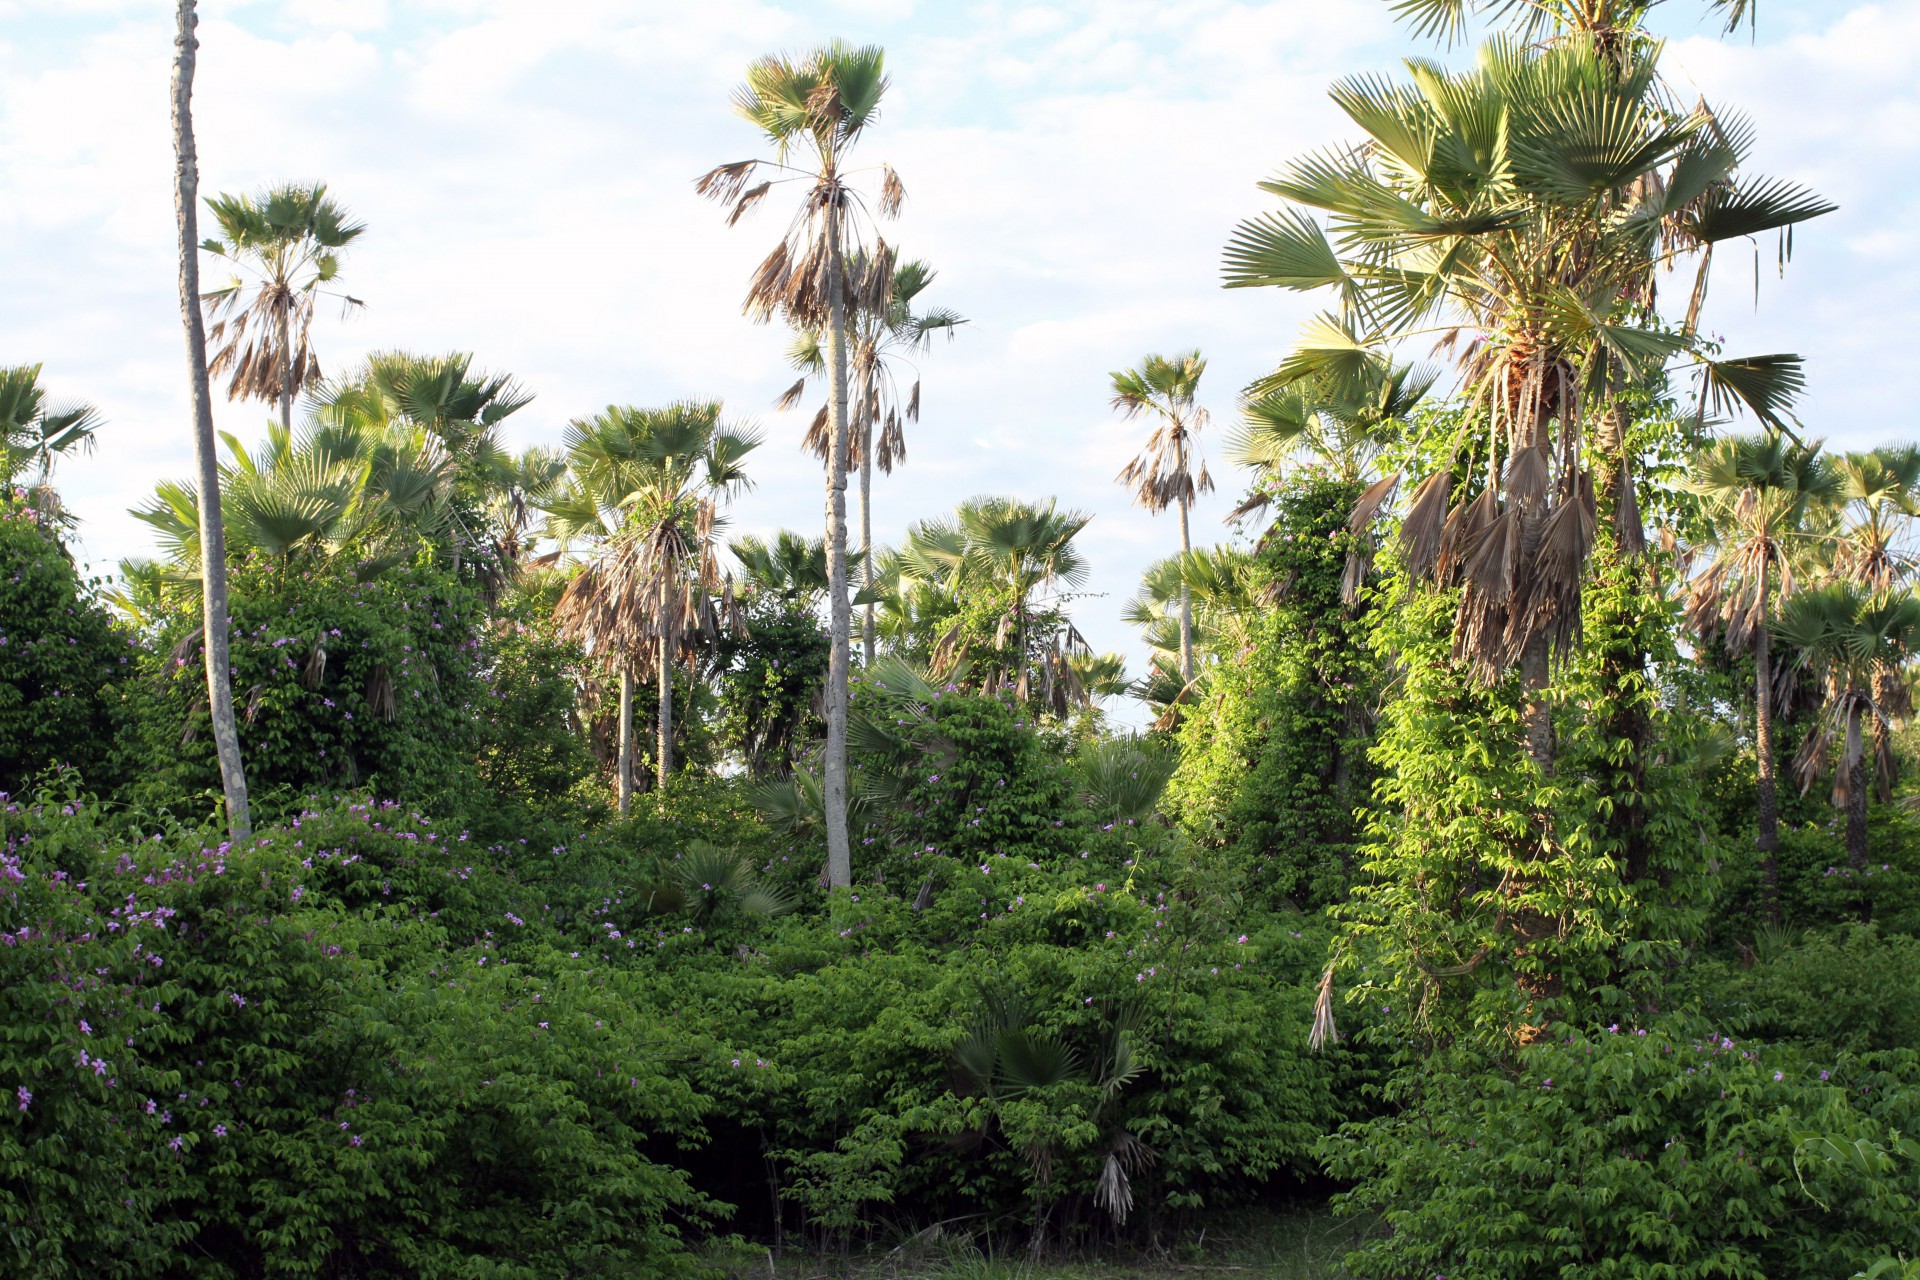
{"x":219,"y":1131}
{"x":25,"y":1095}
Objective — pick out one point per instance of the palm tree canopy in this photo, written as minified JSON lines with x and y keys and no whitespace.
{"x":284,"y":244}
{"x":1327,"y":423}
{"x":373,"y":494}
{"x":1757,"y":492}
{"x":1878,"y":495}
{"x":34,"y":434}
{"x":818,"y":103}
{"x":1520,"y":211}
{"x":881,"y":339}
{"x":1165,"y":388}
{"x":792,"y":566}
{"x":644,"y":486}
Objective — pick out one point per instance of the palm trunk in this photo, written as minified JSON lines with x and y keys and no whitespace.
{"x":1186,"y":600}
{"x":1882,"y":748}
{"x":1767,"y":796}
{"x":1856,"y":766}
{"x":286,"y":365}
{"x":213,"y":543}
{"x":624,"y":771}
{"x":834,"y":766}
{"x":663,"y":670}
{"x":866,"y":511}
{"x":1536,"y":712}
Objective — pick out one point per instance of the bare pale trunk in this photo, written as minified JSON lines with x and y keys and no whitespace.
{"x":213,"y":543}
{"x":1186,"y":600}
{"x":623,"y":774}
{"x":834,"y":766}
{"x":663,"y":749}
{"x":866,"y":510}
{"x":1766,"y":795}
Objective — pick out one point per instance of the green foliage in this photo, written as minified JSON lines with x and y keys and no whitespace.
{"x":62,"y":660}
{"x":531,"y":758}
{"x":773,"y":674}
{"x":1664,"y":1151}
{"x":1273,"y":758}
{"x":339,"y":684}
{"x":1852,"y":988}
{"x":308,"y":1056}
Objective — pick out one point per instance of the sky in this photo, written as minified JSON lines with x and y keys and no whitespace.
{"x":1073,"y":167}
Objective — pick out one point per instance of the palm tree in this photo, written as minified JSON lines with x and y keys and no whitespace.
{"x":376,"y":494}
{"x":1758,"y":492}
{"x":213,"y":559}
{"x":1606,"y":22}
{"x":455,"y":413}
{"x":646,"y":485}
{"x":1519,"y":211}
{"x":1872,"y":547}
{"x":34,"y":435}
{"x":1163,"y":474}
{"x":287,"y":240}
{"x":1851,"y":637}
{"x":881,"y":340}
{"x":792,"y":567}
{"x":1005,"y":553}
{"x":818,"y":105}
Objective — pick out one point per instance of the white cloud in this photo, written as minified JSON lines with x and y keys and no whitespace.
{"x":1074,"y":165}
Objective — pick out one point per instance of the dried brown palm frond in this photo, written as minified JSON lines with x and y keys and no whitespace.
{"x":1423,"y":528}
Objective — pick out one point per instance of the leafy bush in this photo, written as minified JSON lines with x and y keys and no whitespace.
{"x":1273,"y":758}
{"x":338,"y":684}
{"x":1664,"y":1152}
{"x":62,"y":660}
{"x":287,"y":1059}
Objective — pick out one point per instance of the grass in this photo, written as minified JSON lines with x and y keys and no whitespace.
{"x":1255,"y":1245}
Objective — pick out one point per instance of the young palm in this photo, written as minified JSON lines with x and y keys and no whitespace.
{"x":882,"y":340}
{"x":453,"y":413}
{"x":1759,"y":493}
{"x":814,"y":109}
{"x":1856,"y":641}
{"x":213,"y":559}
{"x":1520,"y":211}
{"x":645,"y":486}
{"x":1169,"y":472}
{"x":284,"y":245}
{"x":1018,"y":550}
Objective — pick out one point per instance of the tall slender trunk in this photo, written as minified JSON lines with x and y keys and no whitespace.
{"x":623,"y":773}
{"x":1856,"y":765}
{"x":1767,"y":796}
{"x":285,"y":323}
{"x":1186,"y":600}
{"x":834,"y":766}
{"x":866,"y":509}
{"x":663,"y":747}
{"x":213,"y":542}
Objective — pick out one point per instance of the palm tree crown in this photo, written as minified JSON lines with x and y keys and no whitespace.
{"x":284,"y":245}
{"x":645,"y":486}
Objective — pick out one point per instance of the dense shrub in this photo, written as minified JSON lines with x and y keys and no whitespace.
{"x":292,"y":1058}
{"x":1273,"y":759}
{"x":1667,"y":1152}
{"x":338,"y":683}
{"x":62,"y":659}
